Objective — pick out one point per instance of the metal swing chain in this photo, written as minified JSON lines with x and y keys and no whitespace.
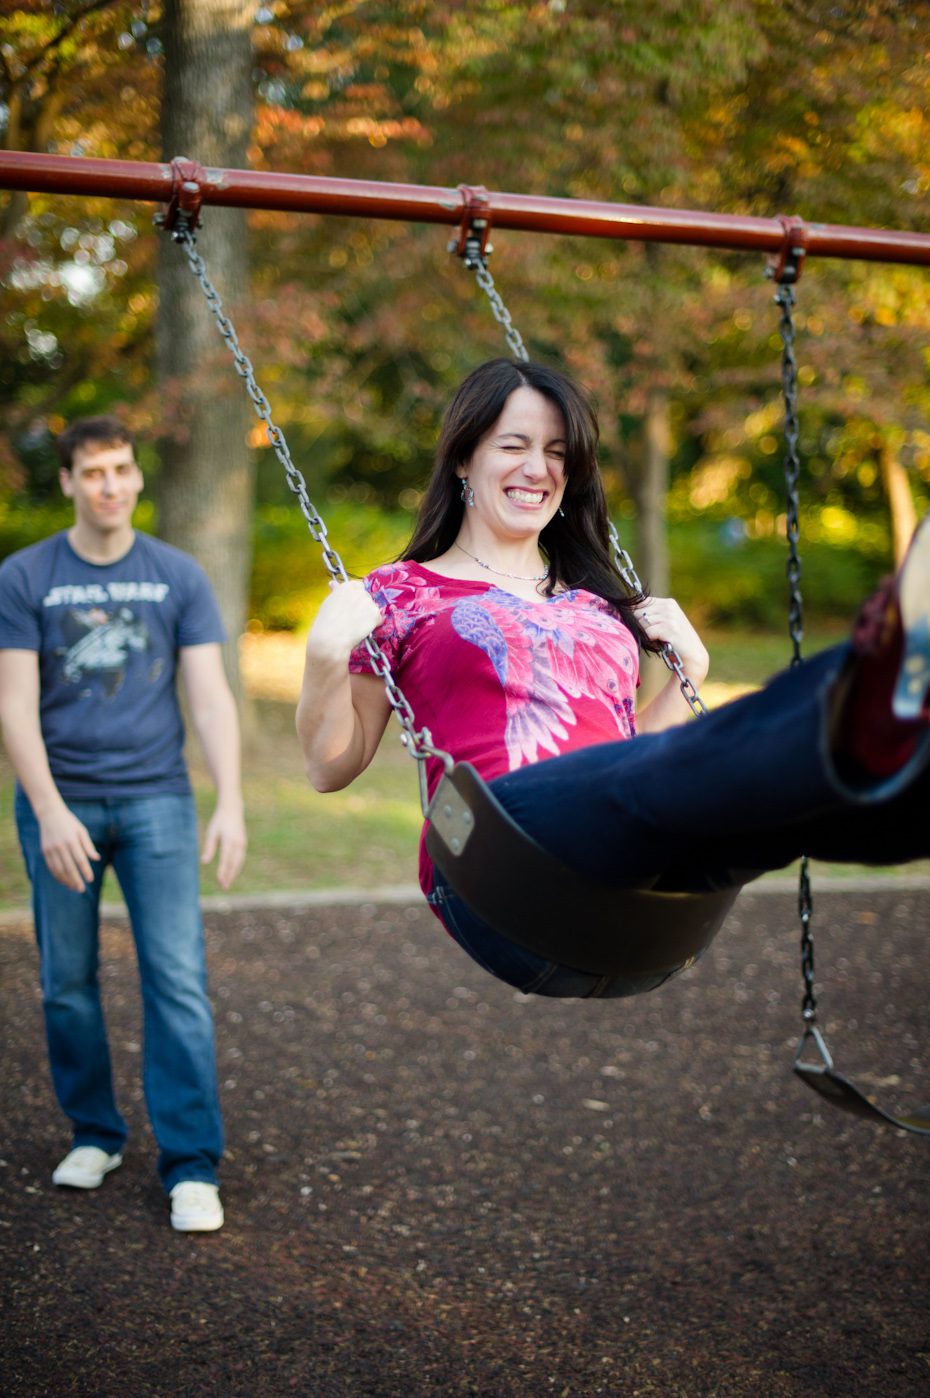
{"x":418,"y":742}
{"x":785,"y":299}
{"x":499,"y":311}
{"x":474,"y":260}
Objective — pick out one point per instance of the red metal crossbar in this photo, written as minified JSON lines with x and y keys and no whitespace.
{"x":261,"y":189}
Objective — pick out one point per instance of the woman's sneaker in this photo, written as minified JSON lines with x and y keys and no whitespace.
{"x":911,"y":698}
{"x":880,"y":720}
{"x":196,"y":1207}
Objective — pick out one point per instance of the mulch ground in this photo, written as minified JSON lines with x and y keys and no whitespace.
{"x":436,"y":1186}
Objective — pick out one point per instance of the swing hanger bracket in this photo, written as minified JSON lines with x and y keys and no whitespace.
{"x":181,"y":214}
{"x":786,"y":266}
{"x":471,"y":242}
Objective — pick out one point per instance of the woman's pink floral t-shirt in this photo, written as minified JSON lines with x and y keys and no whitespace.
{"x":499,"y":681}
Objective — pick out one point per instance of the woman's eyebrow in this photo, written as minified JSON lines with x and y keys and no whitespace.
{"x":522,"y":437}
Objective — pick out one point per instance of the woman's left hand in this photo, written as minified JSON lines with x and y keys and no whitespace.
{"x":663,"y":621}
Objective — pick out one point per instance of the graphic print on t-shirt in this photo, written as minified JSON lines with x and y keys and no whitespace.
{"x":99,"y":631}
{"x":98,"y":644}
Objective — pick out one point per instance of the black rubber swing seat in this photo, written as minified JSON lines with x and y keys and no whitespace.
{"x":840,"y":1092}
{"x":547,"y":907}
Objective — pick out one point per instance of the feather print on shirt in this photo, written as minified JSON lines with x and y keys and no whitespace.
{"x":402,"y":601}
{"x":542,"y":665}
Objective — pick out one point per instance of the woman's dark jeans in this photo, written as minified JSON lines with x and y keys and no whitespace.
{"x":707,"y":804}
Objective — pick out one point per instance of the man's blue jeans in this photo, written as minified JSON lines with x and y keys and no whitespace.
{"x":151,"y":843}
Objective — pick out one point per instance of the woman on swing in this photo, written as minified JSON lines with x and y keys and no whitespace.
{"x":509,"y":631}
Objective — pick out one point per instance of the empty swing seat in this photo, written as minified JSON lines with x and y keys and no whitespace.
{"x":837,"y":1089}
{"x":545,"y":906}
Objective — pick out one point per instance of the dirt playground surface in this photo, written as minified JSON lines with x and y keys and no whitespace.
{"x":436,"y":1186}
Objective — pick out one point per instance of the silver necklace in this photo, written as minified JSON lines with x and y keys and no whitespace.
{"x":518,"y":577}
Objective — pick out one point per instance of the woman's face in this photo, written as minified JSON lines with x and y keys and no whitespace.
{"x":517,"y":470}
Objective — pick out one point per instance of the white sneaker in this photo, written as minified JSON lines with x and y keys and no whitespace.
{"x":196,"y":1207}
{"x":84,"y":1167}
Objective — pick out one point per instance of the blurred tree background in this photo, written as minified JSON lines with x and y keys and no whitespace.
{"x":359,"y":330}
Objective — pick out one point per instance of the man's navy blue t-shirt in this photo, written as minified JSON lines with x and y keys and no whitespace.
{"x":108,"y":637}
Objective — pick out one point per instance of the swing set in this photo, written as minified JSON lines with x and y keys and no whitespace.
{"x":470,"y":838}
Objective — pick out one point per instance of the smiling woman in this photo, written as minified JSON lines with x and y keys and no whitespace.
{"x":512,"y":485}
{"x":510,"y":631}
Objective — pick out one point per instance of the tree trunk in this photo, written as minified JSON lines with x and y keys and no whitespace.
{"x":900,"y":500}
{"x":653,"y":565}
{"x":650,"y":490}
{"x":207,"y":475}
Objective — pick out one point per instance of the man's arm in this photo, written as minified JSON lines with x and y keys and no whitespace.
{"x":66,"y":844}
{"x":213,"y":711}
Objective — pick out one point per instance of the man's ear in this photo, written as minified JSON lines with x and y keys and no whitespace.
{"x":66,"y":482}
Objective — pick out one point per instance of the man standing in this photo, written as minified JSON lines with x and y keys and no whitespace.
{"x":95,"y":623}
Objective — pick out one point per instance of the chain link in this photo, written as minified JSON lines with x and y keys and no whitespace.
{"x":475,"y":262}
{"x":499,"y":310}
{"x":419,"y":743}
{"x":785,"y":300}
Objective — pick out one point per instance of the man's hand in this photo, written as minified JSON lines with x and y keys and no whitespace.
{"x":226,"y":833}
{"x":67,"y":849}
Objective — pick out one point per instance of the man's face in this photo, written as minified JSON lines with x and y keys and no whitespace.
{"x":104,"y":482}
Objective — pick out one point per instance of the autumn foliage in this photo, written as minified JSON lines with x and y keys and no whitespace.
{"x":359,"y":329}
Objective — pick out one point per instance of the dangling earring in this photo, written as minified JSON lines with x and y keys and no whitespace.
{"x":561,"y":512}
{"x":468,"y":495}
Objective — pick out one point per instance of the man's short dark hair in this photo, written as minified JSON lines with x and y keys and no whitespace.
{"x":103,"y":431}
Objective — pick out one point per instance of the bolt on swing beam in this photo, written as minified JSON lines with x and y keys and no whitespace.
{"x":153,"y":182}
